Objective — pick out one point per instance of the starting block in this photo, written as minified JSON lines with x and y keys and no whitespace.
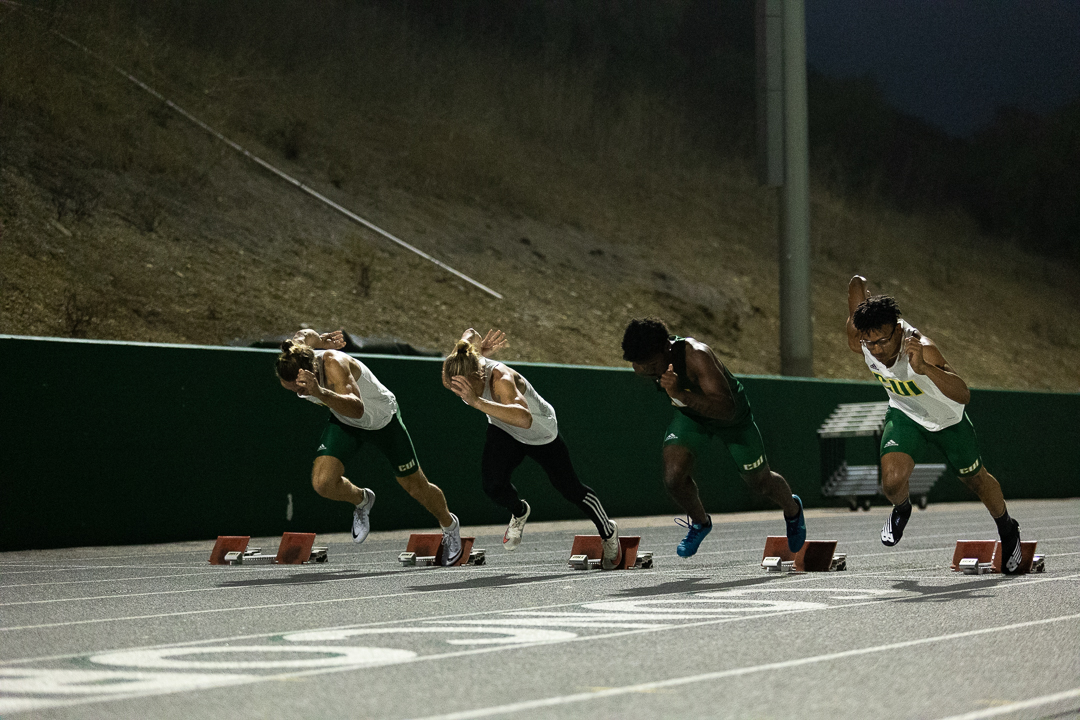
{"x":426,"y":549}
{"x":294,"y":549}
{"x":814,"y":556}
{"x":588,"y":550}
{"x":978,"y":557}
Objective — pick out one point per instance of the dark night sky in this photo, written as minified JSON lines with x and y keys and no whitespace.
{"x":952,"y":62}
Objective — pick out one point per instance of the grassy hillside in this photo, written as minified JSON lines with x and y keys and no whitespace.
{"x":584,"y":201}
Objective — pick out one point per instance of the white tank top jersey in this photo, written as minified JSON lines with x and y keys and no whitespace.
{"x":913,"y":394}
{"x":379,"y":403}
{"x":544,"y":428}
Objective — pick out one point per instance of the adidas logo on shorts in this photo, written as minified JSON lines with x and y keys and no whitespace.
{"x":892,"y":443}
{"x":321,"y":447}
{"x":671,"y":436}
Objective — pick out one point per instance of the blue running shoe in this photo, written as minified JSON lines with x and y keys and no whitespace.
{"x":796,"y":528}
{"x":696,"y":533}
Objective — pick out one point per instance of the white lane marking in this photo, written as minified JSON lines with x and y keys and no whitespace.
{"x":107,"y":682}
{"x":595,"y":577}
{"x":1017,"y":706}
{"x":510,"y":635}
{"x":590,"y":639}
{"x":734,"y":672}
{"x":99,"y":685}
{"x":171,"y":658}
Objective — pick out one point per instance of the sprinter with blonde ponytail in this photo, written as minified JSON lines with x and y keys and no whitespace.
{"x":520,"y":424}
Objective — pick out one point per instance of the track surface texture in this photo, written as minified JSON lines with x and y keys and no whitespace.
{"x":154,"y":631}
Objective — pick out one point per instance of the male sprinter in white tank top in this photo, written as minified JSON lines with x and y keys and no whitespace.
{"x":362,"y":410}
{"x":927,"y":402}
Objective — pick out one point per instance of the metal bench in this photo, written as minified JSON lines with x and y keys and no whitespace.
{"x":859,"y":484}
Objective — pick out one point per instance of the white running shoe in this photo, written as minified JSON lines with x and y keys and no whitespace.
{"x":451,"y":542}
{"x":612,"y":550}
{"x":361,"y":517}
{"x":512,"y":536}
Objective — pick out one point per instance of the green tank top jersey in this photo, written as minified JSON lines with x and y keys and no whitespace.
{"x":678,"y":363}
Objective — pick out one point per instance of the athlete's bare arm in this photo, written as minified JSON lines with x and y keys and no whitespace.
{"x":326,"y":341}
{"x":856,"y":293}
{"x":487,"y":345}
{"x":507,"y":402}
{"x":341,"y":394}
{"x":703,"y":369}
{"x":926,"y":359}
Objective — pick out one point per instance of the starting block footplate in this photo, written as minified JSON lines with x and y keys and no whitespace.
{"x":813,"y":556}
{"x":425,"y":549}
{"x":977,"y":557}
{"x":587,"y":551}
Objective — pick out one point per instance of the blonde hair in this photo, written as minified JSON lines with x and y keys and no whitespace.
{"x":295,"y":356}
{"x":463,"y":360}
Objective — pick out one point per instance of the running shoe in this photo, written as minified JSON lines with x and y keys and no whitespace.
{"x":361,"y":518}
{"x":451,"y":542}
{"x":612,"y":554}
{"x":512,"y":536}
{"x":1010,"y":548}
{"x":894,"y":525}
{"x":695,"y":534}
{"x":796,"y":528}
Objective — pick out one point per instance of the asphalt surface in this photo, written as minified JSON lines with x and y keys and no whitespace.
{"x":154,"y":631}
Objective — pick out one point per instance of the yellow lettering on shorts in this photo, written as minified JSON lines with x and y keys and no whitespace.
{"x":756,"y":464}
{"x":969,"y":470}
{"x":407,"y":466}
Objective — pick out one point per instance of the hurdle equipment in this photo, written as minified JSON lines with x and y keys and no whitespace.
{"x":860,"y":484}
{"x":426,"y":549}
{"x":294,"y":549}
{"x":587,"y":551}
{"x":978,"y":557}
{"x":814,"y":556}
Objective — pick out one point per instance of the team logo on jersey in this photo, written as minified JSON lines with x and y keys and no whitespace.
{"x":407,"y":466}
{"x":899,"y":387}
{"x":756,"y":464}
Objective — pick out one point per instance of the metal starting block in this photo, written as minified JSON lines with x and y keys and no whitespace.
{"x":588,"y":550}
{"x":294,"y":549}
{"x":426,"y":549}
{"x":978,"y":557}
{"x":814,"y":556}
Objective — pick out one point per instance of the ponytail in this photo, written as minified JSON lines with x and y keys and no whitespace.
{"x":295,"y":356}
{"x":463,"y":360}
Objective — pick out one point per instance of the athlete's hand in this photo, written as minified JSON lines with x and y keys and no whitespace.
{"x":670,"y":382}
{"x":494,"y":341}
{"x":463,"y":389}
{"x":914,"y":349}
{"x":309,"y":384}
{"x":332,"y":340}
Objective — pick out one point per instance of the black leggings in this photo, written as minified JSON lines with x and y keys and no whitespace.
{"x":502,"y":455}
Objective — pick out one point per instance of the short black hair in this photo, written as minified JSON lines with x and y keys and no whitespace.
{"x":644,"y":339}
{"x":874,"y":312}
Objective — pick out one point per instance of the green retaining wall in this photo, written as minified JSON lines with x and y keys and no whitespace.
{"x":119,"y":443}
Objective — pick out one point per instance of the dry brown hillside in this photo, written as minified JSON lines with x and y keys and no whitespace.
{"x":122,"y":220}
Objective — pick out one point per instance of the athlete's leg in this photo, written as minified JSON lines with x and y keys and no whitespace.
{"x":678,"y":464}
{"x":428,"y":495}
{"x":502,"y":455}
{"x":988,"y":489}
{"x":554,"y":458}
{"x":896,"y":470}
{"x":773,"y":486}
{"x":328,"y":479}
